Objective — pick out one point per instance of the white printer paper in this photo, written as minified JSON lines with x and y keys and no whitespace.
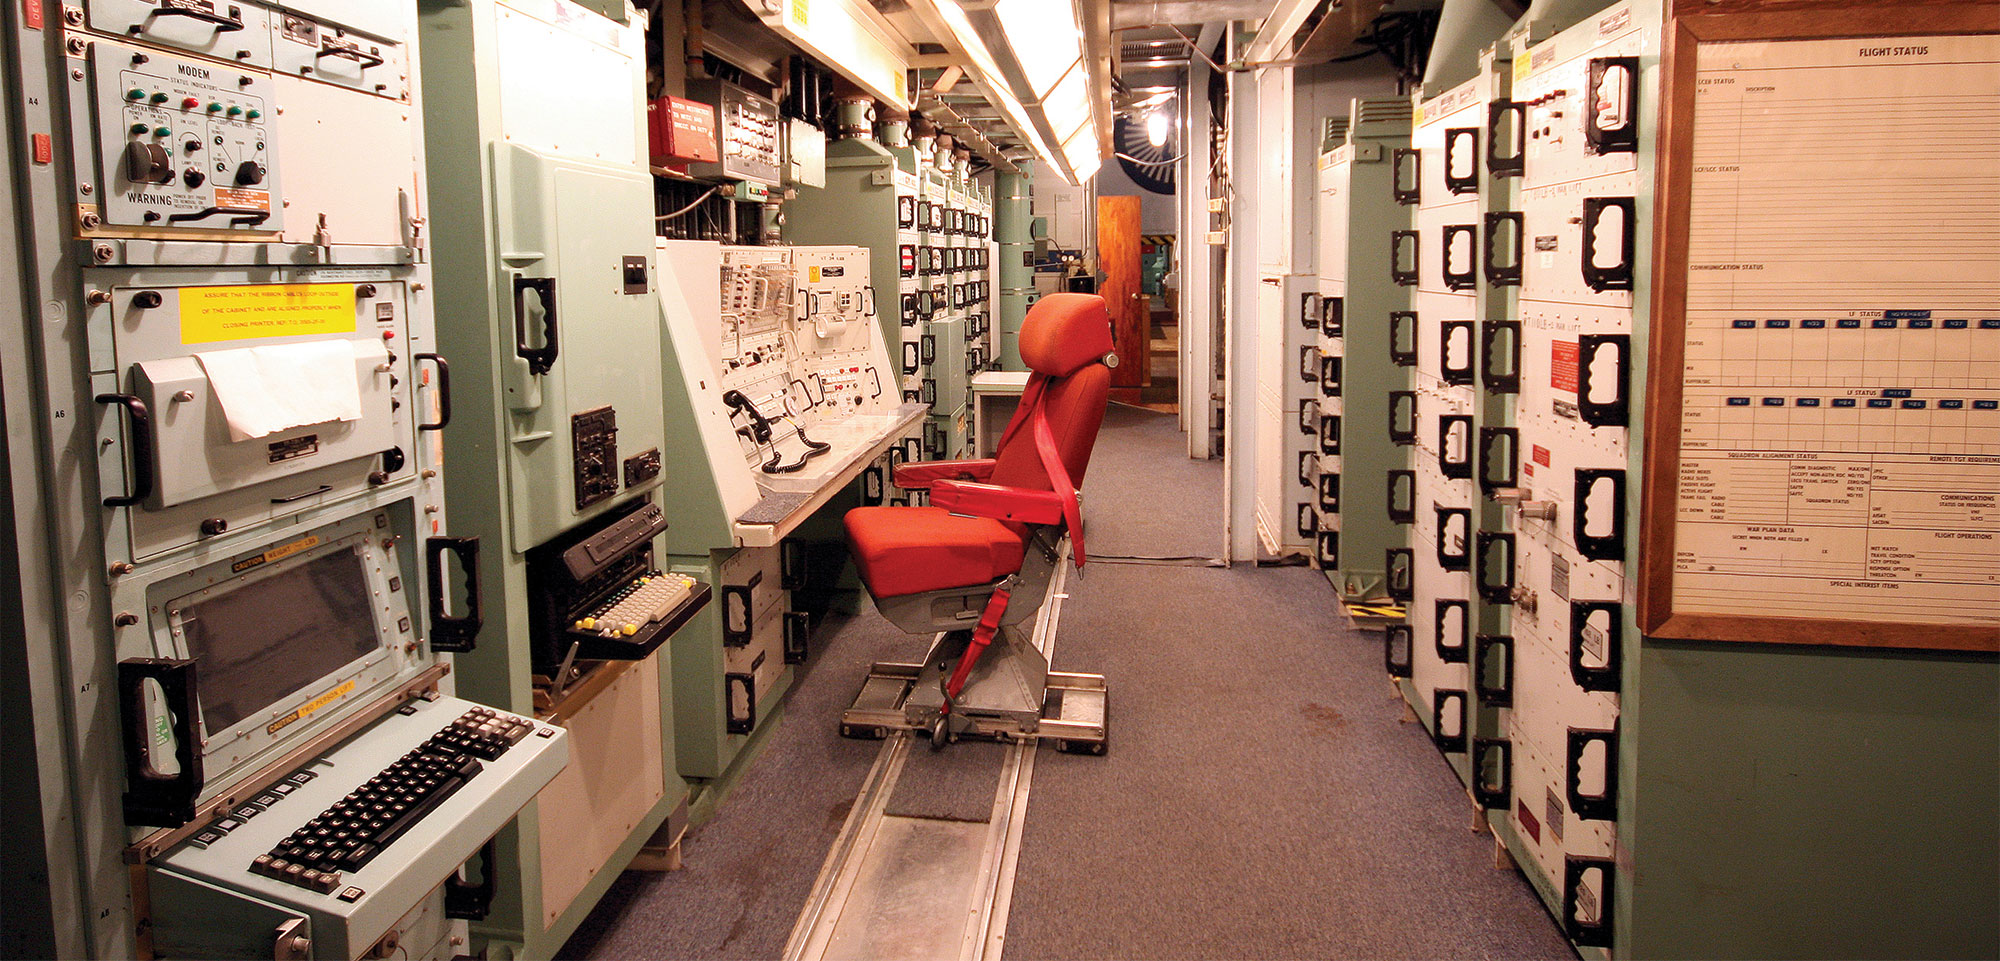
{"x":264,"y":390}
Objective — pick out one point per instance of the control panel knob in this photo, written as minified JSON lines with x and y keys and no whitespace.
{"x":147,"y":299}
{"x":193,"y":177}
{"x":249,"y":172}
{"x":148,"y":163}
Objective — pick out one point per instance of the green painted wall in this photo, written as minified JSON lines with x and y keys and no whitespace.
{"x":1810,"y":803}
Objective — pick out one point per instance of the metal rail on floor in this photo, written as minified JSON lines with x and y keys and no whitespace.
{"x":870,"y":902}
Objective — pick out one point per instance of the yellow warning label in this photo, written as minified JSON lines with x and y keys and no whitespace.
{"x":305,"y":710}
{"x":210,"y":314}
{"x":276,"y":553}
{"x":1523,"y":66}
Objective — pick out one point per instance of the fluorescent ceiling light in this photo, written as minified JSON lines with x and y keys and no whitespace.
{"x":1028,"y":56}
{"x":1068,"y":105}
{"x":1080,"y":153}
{"x":1044,"y":38}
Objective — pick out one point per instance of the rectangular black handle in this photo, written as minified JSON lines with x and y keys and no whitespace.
{"x":1493,"y":574}
{"x":140,"y":439}
{"x":1493,"y":669}
{"x":444,"y":391}
{"x":1455,"y":357}
{"x":1500,"y":356}
{"x":1617,"y":410}
{"x":1601,"y":806}
{"x":1492,"y":772}
{"x":154,"y":798}
{"x":1406,"y":175}
{"x":1461,"y":153}
{"x":1402,"y":331}
{"x":1403,"y":257}
{"x":1610,"y":638}
{"x":1454,"y":451}
{"x":1598,"y":547}
{"x":1453,"y":646}
{"x":798,"y":636}
{"x":1443,"y":702}
{"x":1502,"y":257}
{"x":1456,"y":278}
{"x":1506,"y":133}
{"x":741,"y":720}
{"x":451,"y":634}
{"x":1401,"y":503}
{"x":1454,"y":553}
{"x":1399,"y":573}
{"x":1615,"y":276}
{"x":540,"y":359}
{"x":1396,"y":660}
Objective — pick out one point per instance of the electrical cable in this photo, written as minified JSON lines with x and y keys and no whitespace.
{"x":710,"y":192}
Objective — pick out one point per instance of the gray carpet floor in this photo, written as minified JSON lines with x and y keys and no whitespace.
{"x":1261,"y":799}
{"x":1142,"y":495}
{"x":749,"y":870}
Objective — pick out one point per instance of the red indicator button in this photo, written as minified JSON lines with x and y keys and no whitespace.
{"x":388,"y":335}
{"x":189,"y":103}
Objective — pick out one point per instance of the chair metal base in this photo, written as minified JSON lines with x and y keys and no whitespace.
{"x":1011,"y":693}
{"x":1072,"y":715}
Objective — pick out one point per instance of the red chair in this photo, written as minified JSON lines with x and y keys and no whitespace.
{"x":984,"y":557}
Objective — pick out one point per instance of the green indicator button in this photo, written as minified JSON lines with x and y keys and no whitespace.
{"x":254,"y":114}
{"x":138,"y":128}
{"x":214,"y":107}
{"x":163,"y":131}
{"x":159,"y":97}
{"x":135,"y":94}
{"x":235,"y":111}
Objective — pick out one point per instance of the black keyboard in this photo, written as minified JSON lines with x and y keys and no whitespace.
{"x":348,"y":835}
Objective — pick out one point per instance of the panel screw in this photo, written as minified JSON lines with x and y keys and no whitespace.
{"x":96,"y":298}
{"x":73,"y":16}
{"x":75,"y":46}
{"x":102,"y":253}
{"x":90,"y":220}
{"x":85,"y":189}
{"x":76,"y":75}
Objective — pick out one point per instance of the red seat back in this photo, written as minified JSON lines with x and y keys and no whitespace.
{"x":1064,"y":340}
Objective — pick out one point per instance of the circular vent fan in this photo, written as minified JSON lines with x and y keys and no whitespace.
{"x":1149,"y":166}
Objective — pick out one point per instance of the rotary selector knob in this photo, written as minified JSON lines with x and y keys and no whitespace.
{"x":148,"y":163}
{"x":249,"y":172}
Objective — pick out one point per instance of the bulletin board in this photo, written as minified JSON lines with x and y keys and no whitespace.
{"x":1823,"y":432}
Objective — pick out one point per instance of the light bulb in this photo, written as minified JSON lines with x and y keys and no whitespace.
{"x":1156,"y":127}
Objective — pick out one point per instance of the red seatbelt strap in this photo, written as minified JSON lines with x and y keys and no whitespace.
{"x":1052,"y":462}
{"x":1031,"y":401}
{"x":989,"y":624}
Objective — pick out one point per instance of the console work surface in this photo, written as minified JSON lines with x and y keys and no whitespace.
{"x":1258,"y":758}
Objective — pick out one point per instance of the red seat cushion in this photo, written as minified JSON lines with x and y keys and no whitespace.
{"x":909,"y":550}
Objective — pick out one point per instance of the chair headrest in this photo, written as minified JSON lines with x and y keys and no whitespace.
{"x":1064,"y":333}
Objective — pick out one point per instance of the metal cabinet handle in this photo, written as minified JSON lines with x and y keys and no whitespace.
{"x":142,"y":448}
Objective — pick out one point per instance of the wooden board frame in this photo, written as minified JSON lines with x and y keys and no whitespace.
{"x":1691,"y":23}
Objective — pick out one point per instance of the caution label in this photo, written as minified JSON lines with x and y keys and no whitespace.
{"x":281,"y":552}
{"x":241,"y":199}
{"x":306,"y":710}
{"x":210,"y":314}
{"x":1562,"y":365}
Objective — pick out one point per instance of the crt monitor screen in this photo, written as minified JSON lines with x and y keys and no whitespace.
{"x":273,"y":637}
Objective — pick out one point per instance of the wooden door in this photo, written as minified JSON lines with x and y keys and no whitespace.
{"x":1118,"y":259}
